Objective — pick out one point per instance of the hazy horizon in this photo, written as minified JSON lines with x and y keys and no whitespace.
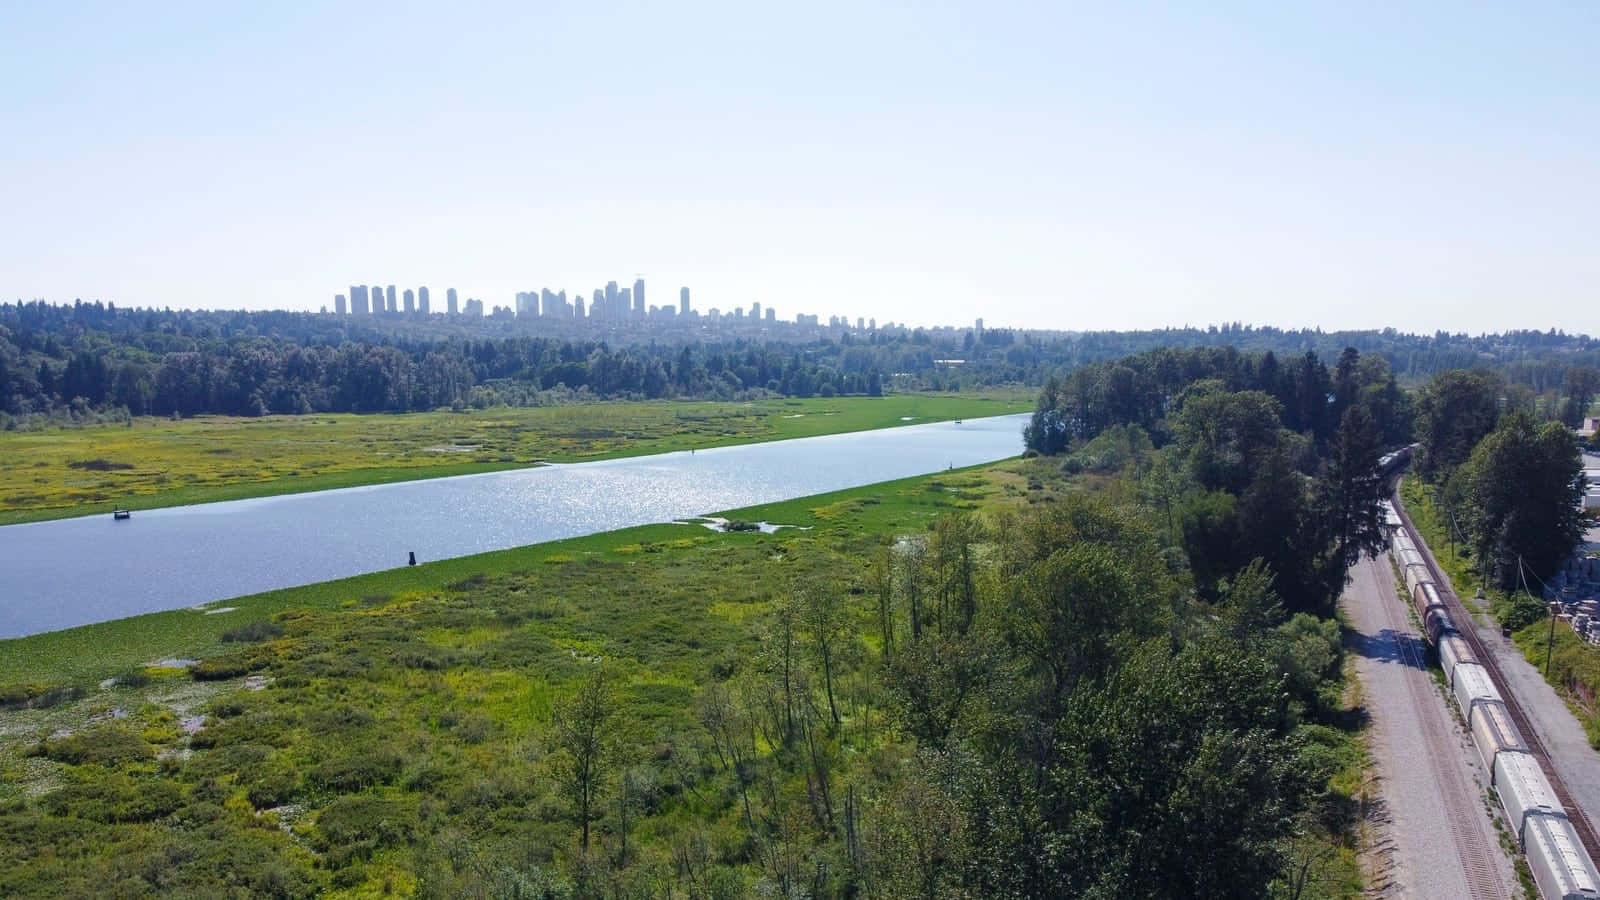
{"x":1430,"y":167}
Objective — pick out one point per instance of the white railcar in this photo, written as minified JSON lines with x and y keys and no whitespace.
{"x":1453,"y":651}
{"x":1494,"y":733}
{"x":1472,"y":686}
{"x":1524,"y":791}
{"x":1560,"y":866}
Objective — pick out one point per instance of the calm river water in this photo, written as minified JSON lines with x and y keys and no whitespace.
{"x":76,"y":571}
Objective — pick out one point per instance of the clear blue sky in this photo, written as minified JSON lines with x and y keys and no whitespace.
{"x":1425,"y":166}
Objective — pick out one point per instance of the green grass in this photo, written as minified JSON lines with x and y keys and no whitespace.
{"x":159,"y":462}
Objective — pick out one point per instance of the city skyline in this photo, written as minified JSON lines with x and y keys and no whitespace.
{"x":1430,"y":166}
{"x":611,"y":304}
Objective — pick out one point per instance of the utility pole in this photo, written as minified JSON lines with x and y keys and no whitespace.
{"x":1550,"y":639}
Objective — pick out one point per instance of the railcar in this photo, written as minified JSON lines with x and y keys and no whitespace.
{"x":1416,"y":574}
{"x":1453,"y":651}
{"x":1473,"y":686}
{"x":1495,"y":734}
{"x":1524,"y":791}
{"x":1560,"y":866}
{"x":1437,"y":623}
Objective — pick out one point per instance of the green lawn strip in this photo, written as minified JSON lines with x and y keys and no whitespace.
{"x":37,"y":485}
{"x":89,"y":653}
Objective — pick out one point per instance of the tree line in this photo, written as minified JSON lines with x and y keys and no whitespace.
{"x":74,"y":361}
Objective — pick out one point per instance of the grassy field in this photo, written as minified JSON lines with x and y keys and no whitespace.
{"x":160,"y":462}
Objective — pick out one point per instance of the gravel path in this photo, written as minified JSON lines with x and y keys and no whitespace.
{"x":1434,"y":837}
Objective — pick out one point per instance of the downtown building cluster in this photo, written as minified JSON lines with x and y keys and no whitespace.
{"x":610,"y":305}
{"x":374,"y":300}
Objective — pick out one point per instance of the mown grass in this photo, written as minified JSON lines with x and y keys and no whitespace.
{"x":159,"y":462}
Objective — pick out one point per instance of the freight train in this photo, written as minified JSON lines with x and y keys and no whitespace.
{"x":1561,"y":866}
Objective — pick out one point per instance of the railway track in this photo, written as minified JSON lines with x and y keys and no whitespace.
{"x":1474,"y":851}
{"x":1530,"y":735}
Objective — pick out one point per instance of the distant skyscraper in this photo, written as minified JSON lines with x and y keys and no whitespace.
{"x":577,"y":305}
{"x":389,"y":303}
{"x":612,"y":296}
{"x":450,"y":302}
{"x":638,"y":298}
{"x":683,"y":301}
{"x":422,"y":300}
{"x":358,"y":300}
{"x":625,"y":302}
{"x":338,"y":304}
{"x":376,"y":293}
{"x":980,"y":326}
{"x":772,"y":314}
{"x":411,"y":302}
{"x":755,"y":310}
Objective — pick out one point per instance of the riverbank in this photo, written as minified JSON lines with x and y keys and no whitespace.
{"x":85,"y":655}
{"x":158,"y":462}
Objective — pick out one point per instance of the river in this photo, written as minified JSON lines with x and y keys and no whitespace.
{"x":70,"y":572}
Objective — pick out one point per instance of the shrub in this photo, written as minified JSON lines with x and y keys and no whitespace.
{"x":38,"y":696}
{"x":254,"y":632}
{"x":229,"y":665}
{"x":359,"y":824}
{"x":99,"y":465}
{"x":1521,"y":610}
{"x":356,"y":768}
{"x":106,"y":743}
{"x":272,"y":787}
{"x":116,"y":797}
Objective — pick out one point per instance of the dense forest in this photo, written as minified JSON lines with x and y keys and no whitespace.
{"x":91,"y":361}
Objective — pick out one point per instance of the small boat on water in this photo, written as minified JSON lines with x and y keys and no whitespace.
{"x":121,"y":514}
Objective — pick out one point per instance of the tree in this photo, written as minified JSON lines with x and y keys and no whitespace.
{"x":1582,"y":384}
{"x":1351,"y":489}
{"x":823,"y":614}
{"x":582,"y":728}
{"x":1455,"y":411}
{"x":1521,"y":490}
{"x":1227,"y":435}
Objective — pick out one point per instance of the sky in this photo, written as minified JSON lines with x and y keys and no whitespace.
{"x":1420,"y":166}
